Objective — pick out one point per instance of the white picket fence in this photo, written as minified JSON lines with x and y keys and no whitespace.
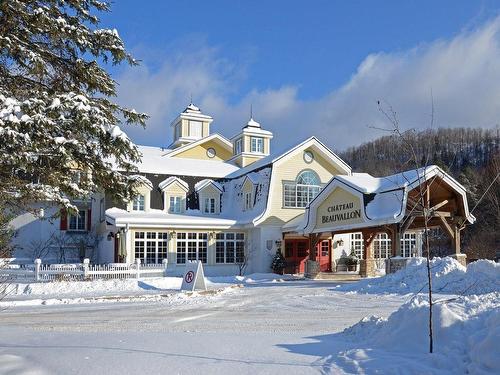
{"x":79,"y":271}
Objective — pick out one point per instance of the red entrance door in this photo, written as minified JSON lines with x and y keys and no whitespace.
{"x":296,"y":254}
{"x":324,"y":255}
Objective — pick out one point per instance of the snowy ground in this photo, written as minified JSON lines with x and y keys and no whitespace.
{"x":264,"y":327}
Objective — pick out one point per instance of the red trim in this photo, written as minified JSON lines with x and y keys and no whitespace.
{"x":63,"y":220}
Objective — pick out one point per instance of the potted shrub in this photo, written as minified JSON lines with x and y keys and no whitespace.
{"x":351,"y":261}
{"x":278,"y":265}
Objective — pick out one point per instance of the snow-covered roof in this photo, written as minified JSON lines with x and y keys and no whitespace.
{"x":278,"y":155}
{"x":156,"y":218}
{"x":155,"y":161}
{"x":383,"y":198}
{"x":142,"y":179}
{"x":170,"y":180}
{"x":206,"y":182}
{"x":214,"y":137}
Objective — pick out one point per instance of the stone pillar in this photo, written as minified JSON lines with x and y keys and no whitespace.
{"x":312,"y":269}
{"x":368,"y":266}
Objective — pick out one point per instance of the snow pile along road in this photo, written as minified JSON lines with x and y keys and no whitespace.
{"x":134,"y":286}
{"x":466,"y":337}
{"x":448,"y":277}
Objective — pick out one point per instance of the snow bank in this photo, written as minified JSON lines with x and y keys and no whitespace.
{"x":253,"y":278}
{"x":448,"y":276}
{"x":146,"y":285}
{"x":466,"y":337}
{"x":95,"y":287}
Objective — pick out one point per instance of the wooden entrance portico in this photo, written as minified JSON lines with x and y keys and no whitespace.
{"x":410,"y":201}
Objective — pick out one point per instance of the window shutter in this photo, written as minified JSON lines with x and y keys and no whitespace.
{"x":89,"y":218}
{"x":63,"y":220}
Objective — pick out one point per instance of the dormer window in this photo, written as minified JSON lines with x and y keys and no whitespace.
{"x":209,"y":207}
{"x":257,"y":145}
{"x":175,"y":205}
{"x":195,"y":129}
{"x":139,"y":203}
{"x":248,"y":201}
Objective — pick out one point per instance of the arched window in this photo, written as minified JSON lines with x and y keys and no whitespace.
{"x":306,"y":187}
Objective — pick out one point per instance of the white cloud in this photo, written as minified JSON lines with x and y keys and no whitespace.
{"x":463,"y":74}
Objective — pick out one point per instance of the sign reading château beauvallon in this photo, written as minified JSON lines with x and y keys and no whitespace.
{"x":341,"y":212}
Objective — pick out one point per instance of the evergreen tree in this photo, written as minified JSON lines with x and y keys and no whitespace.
{"x":279,"y":263}
{"x":56,"y":108}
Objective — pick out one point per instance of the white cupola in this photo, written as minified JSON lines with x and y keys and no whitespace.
{"x":190,"y":126}
{"x":251,"y":144}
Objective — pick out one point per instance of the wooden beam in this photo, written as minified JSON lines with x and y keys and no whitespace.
{"x":448,"y":229}
{"x":407,"y":223}
{"x":439,"y":205}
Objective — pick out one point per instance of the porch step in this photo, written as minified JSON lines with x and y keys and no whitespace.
{"x":338,"y":276}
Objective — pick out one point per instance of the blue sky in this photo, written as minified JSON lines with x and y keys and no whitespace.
{"x":300,"y":64}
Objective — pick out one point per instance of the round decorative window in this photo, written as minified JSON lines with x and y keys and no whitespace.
{"x":211,"y":152}
{"x":308,"y":156}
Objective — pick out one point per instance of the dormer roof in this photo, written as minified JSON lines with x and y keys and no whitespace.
{"x":208,"y":182}
{"x":171,"y":180}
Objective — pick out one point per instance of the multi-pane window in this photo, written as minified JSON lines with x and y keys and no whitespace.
{"x":382,"y":246}
{"x":175,"y":205}
{"x":357,"y":244}
{"x":237,"y":147}
{"x":409,"y":245}
{"x":138,"y":202}
{"x":195,"y":129}
{"x":150,"y":247}
{"x":248,"y":201}
{"x":209,"y":206}
{"x":257,"y":145}
{"x":192,"y":246}
{"x":230,"y":248}
{"x":77,"y":222}
{"x":300,"y":193}
{"x":325,"y":248}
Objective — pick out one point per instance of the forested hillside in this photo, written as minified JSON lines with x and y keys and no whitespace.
{"x":470,"y":155}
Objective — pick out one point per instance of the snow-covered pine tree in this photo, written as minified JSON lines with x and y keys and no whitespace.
{"x":279,"y":263}
{"x":56,"y":107}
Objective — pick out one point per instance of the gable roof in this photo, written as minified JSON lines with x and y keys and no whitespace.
{"x":207,"y":182}
{"x":383,"y":198}
{"x":170,"y":180}
{"x":142,"y":179}
{"x":275,"y":157}
{"x":214,"y":137}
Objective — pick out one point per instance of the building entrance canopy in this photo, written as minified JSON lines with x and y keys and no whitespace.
{"x":391,"y":204}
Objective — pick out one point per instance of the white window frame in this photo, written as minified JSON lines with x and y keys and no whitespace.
{"x":296,"y":195}
{"x":257,"y":145}
{"x":357,"y":244}
{"x":237,"y":146}
{"x":147,"y":242}
{"x":175,"y":204}
{"x":248,"y":200}
{"x":229,"y":247}
{"x":409,"y":245}
{"x":209,"y":205}
{"x":186,"y":242}
{"x":139,"y":203}
{"x":382,"y":246}
{"x":79,"y":221}
{"x":198,"y":126}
